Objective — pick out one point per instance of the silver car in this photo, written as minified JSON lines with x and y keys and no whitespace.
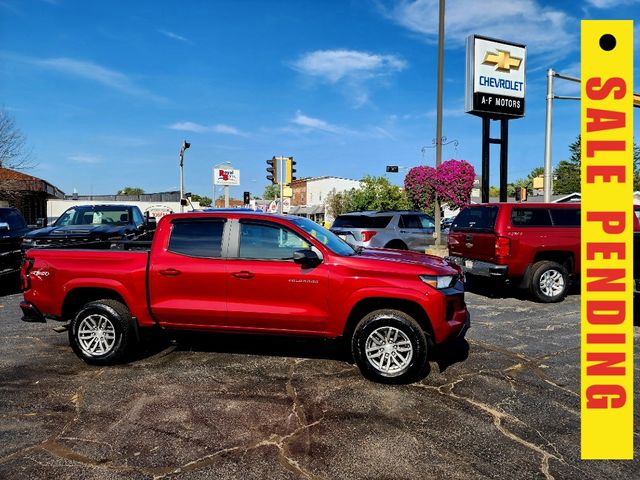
{"x":401,"y":230}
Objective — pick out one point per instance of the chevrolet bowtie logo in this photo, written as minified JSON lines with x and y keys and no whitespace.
{"x":502,"y":60}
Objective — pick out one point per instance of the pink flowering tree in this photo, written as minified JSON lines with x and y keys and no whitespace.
{"x":420,"y":187}
{"x":455,"y":182}
{"x":452,"y":182}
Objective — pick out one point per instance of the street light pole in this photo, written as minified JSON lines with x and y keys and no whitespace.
{"x":439,"y":116}
{"x":184,"y":146}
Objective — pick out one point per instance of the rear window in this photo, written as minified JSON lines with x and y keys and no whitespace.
{"x":476,"y":219}
{"x":361,"y":221}
{"x":565,"y":217}
{"x":530,"y":217}
{"x":197,"y":238}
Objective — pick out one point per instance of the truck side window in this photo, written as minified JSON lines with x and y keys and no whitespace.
{"x":266,"y":242}
{"x":565,"y":217}
{"x":530,"y":217}
{"x":197,"y":238}
{"x":138,"y":219}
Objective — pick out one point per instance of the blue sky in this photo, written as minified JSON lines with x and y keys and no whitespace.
{"x":106,"y":91}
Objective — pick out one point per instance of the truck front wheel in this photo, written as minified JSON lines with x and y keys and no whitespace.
{"x":390,"y":347}
{"x":101,"y":332}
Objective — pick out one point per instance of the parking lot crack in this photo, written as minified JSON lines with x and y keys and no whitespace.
{"x":498,"y":417}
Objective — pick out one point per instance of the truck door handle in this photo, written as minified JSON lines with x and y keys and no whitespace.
{"x":170,"y":272}
{"x":243,"y":274}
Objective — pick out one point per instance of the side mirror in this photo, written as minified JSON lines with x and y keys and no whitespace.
{"x":41,"y":222}
{"x":150,"y":223}
{"x":4,"y":226}
{"x":306,"y":258}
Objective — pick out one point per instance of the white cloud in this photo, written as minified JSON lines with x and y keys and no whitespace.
{"x":85,"y":159}
{"x":311,"y":123}
{"x":336,"y":65}
{"x":543,"y":28}
{"x":174,"y":36}
{"x":97,"y":73}
{"x":610,"y":3}
{"x":198,"y":128}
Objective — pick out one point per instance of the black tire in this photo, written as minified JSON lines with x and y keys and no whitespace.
{"x":370,"y":330}
{"x":396,"y":245}
{"x":549,"y":281}
{"x":111,"y":339}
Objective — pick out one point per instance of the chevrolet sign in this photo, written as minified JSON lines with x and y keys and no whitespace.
{"x":495,"y":80}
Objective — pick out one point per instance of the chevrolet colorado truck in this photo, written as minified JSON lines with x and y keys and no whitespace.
{"x":251,"y":273}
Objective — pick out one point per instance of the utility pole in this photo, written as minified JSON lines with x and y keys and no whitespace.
{"x":439,"y":117}
{"x":184,"y":146}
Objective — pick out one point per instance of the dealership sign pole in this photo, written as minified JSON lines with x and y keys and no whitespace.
{"x":495,"y":90}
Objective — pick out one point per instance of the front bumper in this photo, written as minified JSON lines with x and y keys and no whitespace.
{"x":30,"y":313}
{"x":480,"y":268}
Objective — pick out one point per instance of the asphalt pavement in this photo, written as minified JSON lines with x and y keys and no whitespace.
{"x":503,"y":405}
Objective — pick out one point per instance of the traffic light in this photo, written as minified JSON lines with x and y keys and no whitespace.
{"x":290,"y":171}
{"x":521,"y":194}
{"x":273,"y":170}
{"x":392,"y":168}
{"x":247,"y":198}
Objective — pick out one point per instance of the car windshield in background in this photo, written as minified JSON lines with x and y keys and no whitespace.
{"x":361,"y":221}
{"x":89,"y":215}
{"x":331,"y":241}
{"x":476,"y":219}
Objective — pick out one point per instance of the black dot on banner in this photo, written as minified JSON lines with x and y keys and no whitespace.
{"x":607,"y":42}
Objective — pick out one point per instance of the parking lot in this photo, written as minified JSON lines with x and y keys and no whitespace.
{"x":505,"y":405}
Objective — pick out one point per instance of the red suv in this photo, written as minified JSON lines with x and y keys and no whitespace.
{"x":533,"y":245}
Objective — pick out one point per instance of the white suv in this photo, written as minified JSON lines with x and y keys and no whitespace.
{"x":401,"y":230}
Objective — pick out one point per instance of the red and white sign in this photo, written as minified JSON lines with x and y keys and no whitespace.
{"x":158,"y":211}
{"x":226,"y":176}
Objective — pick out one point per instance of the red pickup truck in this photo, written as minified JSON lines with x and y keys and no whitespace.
{"x":253,"y":273}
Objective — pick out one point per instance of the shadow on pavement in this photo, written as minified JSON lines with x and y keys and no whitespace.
{"x":492,"y":288}
{"x":9,"y":284}
{"x":445,"y":355}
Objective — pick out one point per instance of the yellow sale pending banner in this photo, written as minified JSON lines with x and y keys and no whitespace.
{"x":607,"y":240}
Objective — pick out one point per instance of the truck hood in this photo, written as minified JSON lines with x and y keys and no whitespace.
{"x":437,"y":264}
{"x":78,"y":231}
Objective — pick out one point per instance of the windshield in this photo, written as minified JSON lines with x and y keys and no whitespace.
{"x":331,"y":241}
{"x":94,"y":215}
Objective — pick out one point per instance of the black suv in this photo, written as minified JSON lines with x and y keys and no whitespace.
{"x":12,"y":229}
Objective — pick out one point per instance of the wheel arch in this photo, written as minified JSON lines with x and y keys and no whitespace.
{"x":368,"y":305}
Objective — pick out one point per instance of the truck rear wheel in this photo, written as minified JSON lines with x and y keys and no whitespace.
{"x":549,"y":281}
{"x":390,"y":347}
{"x":101,"y":332}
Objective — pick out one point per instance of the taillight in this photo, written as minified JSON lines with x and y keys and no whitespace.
{"x":503,"y":247}
{"x":367,"y":235}
{"x":25,"y":269}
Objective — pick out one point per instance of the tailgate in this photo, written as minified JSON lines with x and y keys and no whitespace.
{"x":478,"y":246}
{"x":472,"y":233}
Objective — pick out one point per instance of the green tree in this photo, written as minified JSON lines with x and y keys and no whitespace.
{"x":377,"y":193}
{"x":203,"y":200}
{"x":567,"y":173}
{"x":271,"y":192}
{"x":339,"y":202}
{"x":131,"y":191}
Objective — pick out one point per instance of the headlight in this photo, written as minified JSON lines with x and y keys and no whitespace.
{"x":438,"y":281}
{"x":27,"y":241}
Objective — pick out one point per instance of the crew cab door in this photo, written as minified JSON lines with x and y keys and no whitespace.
{"x":187,"y":276}
{"x":267,"y":291}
